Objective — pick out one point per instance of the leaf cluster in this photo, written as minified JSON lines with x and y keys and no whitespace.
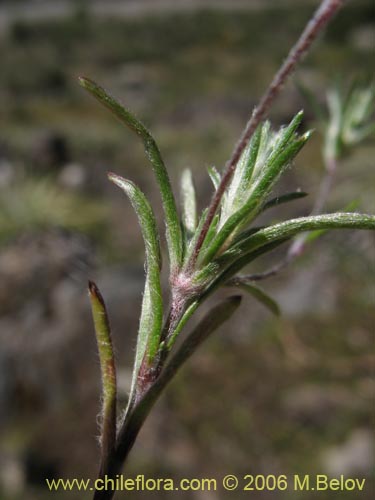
{"x":231,"y":242}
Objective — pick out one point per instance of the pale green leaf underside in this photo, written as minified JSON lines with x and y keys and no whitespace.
{"x":173,"y":229}
{"x":152,"y":306}
{"x":292,"y":227}
{"x":266,"y":239}
{"x":283,"y":150}
{"x":189,"y":202}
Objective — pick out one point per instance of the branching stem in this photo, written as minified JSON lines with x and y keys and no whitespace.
{"x":321,"y":18}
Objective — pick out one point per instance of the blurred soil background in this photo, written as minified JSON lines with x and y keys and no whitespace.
{"x":264,"y":395}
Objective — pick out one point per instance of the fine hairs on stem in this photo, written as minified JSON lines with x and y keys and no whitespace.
{"x":321,"y":18}
{"x":208,"y":250}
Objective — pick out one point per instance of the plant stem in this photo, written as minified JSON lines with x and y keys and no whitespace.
{"x":321,"y":18}
{"x":137,"y":415}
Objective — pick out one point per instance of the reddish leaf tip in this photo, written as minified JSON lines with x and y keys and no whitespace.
{"x":94,"y":292}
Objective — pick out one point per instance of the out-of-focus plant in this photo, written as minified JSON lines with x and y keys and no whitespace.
{"x":206,"y":251}
{"x":346,"y":120}
{"x":29,"y":204}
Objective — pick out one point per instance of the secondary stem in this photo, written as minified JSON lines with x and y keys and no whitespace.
{"x":321,"y":18}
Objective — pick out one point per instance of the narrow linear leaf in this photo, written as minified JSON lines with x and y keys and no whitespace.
{"x":196,"y":234}
{"x":332,"y":141}
{"x":230,"y":225}
{"x":284,"y":150}
{"x":252,"y":158}
{"x":262,"y":188}
{"x":269,"y":238}
{"x":263,"y":148}
{"x":294,"y":226}
{"x":189,"y":202}
{"x":284,"y":198}
{"x":259,"y":294}
{"x":108,"y":371}
{"x":152,"y":307}
{"x":243,"y":173}
{"x":211,"y":233}
{"x":357,"y":110}
{"x":277,"y":164}
{"x":173,"y":229}
{"x":314,"y":235}
{"x":186,"y":316}
{"x":286,"y":136}
{"x":206,"y":274}
{"x":246,"y":233}
{"x":237,"y":193}
{"x":214,"y":176}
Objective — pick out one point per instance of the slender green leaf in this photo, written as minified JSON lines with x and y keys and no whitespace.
{"x":253,"y":155}
{"x":264,"y":148}
{"x":186,"y":316}
{"x":214,"y":176}
{"x":189,"y":202}
{"x":237,"y":193}
{"x":276,"y":166}
{"x":108,"y":372}
{"x":252,"y":205}
{"x":260,"y":295}
{"x":211,"y":233}
{"x":294,"y":226}
{"x":357,"y":111}
{"x":239,"y":185}
{"x":285,"y":136}
{"x":284,"y":149}
{"x":173,"y":229}
{"x":265,"y":240}
{"x":246,"y":233}
{"x":332,"y":139}
{"x":195,"y":237}
{"x":152,"y":307}
{"x":206,"y":274}
{"x":284,"y":198}
{"x":313,"y":235}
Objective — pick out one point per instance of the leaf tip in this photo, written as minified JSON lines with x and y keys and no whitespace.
{"x":93,"y":289}
{"x":112,"y":176}
{"x":94,"y":292}
{"x":300,"y":114}
{"x":117,"y":179}
{"x":85,"y":82}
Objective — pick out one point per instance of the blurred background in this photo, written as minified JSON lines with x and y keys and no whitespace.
{"x":265,"y":395}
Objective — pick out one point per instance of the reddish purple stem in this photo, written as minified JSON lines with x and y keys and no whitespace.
{"x":321,"y":18}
